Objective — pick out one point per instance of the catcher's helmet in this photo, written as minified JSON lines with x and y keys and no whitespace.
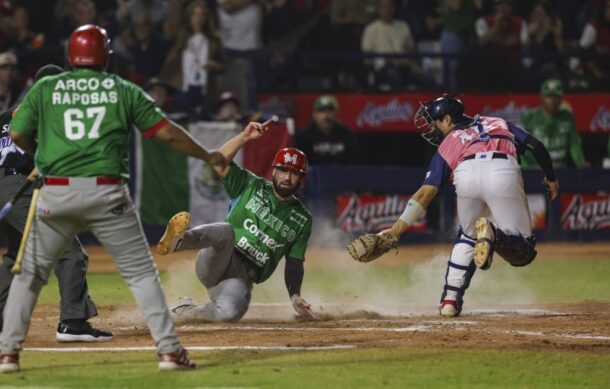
{"x":89,"y":46}
{"x":436,"y":110}
{"x":291,"y":158}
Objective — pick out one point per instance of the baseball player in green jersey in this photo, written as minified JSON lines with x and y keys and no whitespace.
{"x":265,"y":223}
{"x":76,"y":306}
{"x":554,"y":126}
{"x":78,"y":123}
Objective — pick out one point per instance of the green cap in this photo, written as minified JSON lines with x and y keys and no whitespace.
{"x":552,"y":87}
{"x":325,"y":102}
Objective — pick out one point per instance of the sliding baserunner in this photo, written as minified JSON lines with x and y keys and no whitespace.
{"x":265,"y":222}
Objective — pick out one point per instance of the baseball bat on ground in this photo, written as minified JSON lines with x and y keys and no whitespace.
{"x":26,"y":231}
{"x":9,"y":205}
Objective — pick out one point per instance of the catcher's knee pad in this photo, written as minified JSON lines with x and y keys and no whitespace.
{"x":515,"y":249}
{"x":460,"y":269}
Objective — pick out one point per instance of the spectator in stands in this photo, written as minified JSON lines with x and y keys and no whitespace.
{"x":85,"y":12}
{"x":545,"y":36}
{"x":457,"y":18}
{"x":326,"y":141}
{"x":229,"y":107}
{"x":502,"y":36}
{"x":25,"y":43}
{"x":9,"y":90}
{"x":554,"y":125}
{"x":122,"y":59}
{"x":502,"y":29}
{"x":159,"y":92}
{"x":544,"y":31}
{"x":194,"y":59}
{"x":149,"y":49}
{"x":241,"y":32}
{"x":595,"y":38}
{"x":386,"y":35}
{"x":70,"y":14}
{"x":157,"y":11}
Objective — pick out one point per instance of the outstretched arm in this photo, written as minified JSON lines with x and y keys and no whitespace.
{"x":293,"y":275}
{"x":181,"y":141}
{"x":417,"y":205}
{"x":252,"y":131}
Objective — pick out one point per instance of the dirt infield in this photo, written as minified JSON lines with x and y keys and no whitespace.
{"x":561,"y":327}
{"x":574,"y":327}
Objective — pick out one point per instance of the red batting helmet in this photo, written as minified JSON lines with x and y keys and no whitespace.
{"x":291,"y":158}
{"x":89,"y":46}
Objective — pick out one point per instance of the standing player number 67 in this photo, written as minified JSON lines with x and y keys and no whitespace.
{"x":74,"y":126}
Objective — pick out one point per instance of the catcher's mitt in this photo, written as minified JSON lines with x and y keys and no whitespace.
{"x":371,"y":246}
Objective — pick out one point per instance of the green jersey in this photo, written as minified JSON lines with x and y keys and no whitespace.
{"x":265,"y":228}
{"x":82,"y":122}
{"x":558,"y":133}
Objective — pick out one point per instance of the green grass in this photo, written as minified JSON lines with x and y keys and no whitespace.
{"x":549,"y":282}
{"x":391,"y":368}
{"x":569,"y":281}
{"x":557,"y":281}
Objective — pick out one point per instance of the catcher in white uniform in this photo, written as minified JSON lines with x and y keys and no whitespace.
{"x":480,"y":155}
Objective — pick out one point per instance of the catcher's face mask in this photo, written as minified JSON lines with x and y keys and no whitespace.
{"x":424,"y":122}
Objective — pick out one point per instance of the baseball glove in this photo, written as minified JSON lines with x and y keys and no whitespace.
{"x":371,"y":246}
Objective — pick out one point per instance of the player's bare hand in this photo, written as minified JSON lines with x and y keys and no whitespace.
{"x":552,"y":189}
{"x":216,"y":159}
{"x":255,"y":130}
{"x":302,"y":307}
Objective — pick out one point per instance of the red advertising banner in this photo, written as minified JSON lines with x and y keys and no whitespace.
{"x":371,"y":213}
{"x":585,"y":211}
{"x":394,"y":112}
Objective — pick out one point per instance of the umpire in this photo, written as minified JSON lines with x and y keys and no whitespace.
{"x":76,"y":305}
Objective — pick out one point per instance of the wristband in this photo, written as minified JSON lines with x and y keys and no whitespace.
{"x":412,"y":212}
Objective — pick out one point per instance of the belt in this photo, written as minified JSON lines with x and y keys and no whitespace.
{"x":65,"y":181}
{"x":493,"y":156}
{"x":13,"y":171}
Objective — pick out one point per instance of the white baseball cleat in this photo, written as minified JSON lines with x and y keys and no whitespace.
{"x":9,"y":363}
{"x":176,"y":227}
{"x":449,"y":309}
{"x":483,"y":248}
{"x":184,"y":306}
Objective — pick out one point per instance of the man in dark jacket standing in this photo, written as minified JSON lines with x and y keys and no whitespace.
{"x":326,"y":141}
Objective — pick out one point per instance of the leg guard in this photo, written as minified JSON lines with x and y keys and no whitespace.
{"x":515,"y":249}
{"x":460,"y":270}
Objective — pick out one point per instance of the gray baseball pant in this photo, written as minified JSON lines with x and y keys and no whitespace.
{"x":221,"y":271}
{"x":108,"y":212}
{"x":71,"y":269}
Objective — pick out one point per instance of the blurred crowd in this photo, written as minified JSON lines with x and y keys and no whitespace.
{"x":199,"y":48}
{"x":188,"y":53}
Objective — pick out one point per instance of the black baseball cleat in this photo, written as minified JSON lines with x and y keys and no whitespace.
{"x":81,"y":331}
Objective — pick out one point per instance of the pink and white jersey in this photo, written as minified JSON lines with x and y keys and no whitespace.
{"x":483,"y":134}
